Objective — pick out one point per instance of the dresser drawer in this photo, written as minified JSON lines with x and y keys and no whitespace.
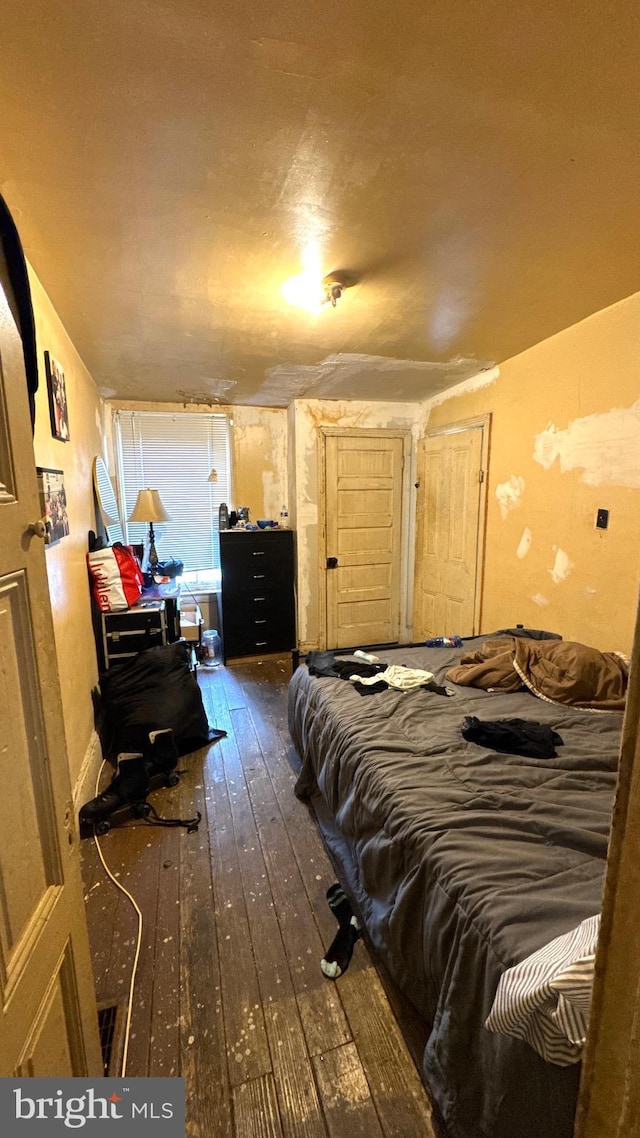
{"x":256,"y":604}
{"x":272,"y":621}
{"x":257,"y":642}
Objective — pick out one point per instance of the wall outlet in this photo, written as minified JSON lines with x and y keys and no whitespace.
{"x":602,"y":519}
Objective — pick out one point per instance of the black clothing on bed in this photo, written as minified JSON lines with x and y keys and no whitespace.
{"x":325,"y":664}
{"x":513,"y":736}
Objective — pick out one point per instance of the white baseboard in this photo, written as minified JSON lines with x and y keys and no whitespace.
{"x":85,"y":786}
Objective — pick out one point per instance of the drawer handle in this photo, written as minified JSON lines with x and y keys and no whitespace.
{"x":258,"y":553}
{"x":259,"y":598}
{"x":261,"y":643}
{"x":259,"y":622}
{"x":259,"y":576}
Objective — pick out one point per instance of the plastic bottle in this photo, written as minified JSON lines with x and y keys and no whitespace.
{"x":212,"y":645}
{"x":444,"y":642}
{"x":284,"y":518}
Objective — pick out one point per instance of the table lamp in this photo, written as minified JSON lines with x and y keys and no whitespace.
{"x":149,"y":508}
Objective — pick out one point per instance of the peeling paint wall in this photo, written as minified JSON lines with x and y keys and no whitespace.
{"x":565,"y":441}
{"x":66,"y":565}
{"x":260,"y":460}
{"x":305,"y":417}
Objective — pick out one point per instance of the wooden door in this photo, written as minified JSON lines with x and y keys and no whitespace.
{"x":449,"y":509}
{"x":48,"y":1020}
{"x":363,"y":472}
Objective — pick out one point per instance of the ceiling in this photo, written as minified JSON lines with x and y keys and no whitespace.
{"x":475,"y":166}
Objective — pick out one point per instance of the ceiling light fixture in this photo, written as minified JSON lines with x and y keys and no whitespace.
{"x":305,"y":291}
{"x":333,"y":286}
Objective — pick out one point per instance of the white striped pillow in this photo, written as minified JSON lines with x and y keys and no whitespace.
{"x":545,"y":999}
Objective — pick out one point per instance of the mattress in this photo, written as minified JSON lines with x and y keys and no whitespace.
{"x":463,"y":861}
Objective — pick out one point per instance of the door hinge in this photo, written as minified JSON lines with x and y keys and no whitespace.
{"x":481,"y":476}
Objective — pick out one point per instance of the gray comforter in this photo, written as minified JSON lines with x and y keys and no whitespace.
{"x":463,"y":861}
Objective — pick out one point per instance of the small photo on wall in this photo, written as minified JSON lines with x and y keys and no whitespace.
{"x":57,"y":399}
{"x":53,"y":503}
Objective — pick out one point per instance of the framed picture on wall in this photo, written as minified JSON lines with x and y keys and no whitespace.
{"x":57,"y":398}
{"x":53,"y":503}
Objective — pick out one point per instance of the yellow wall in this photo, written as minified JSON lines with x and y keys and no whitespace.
{"x":260,"y":460}
{"x":565,"y":440}
{"x":66,"y":565}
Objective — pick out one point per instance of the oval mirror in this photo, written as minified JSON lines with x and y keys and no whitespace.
{"x":107,"y":501}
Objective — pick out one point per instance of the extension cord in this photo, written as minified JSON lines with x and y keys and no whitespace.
{"x":127,"y":1031}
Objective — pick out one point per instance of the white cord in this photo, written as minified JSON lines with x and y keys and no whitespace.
{"x":136,"y":958}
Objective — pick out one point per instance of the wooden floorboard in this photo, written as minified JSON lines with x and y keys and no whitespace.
{"x":345,"y":1094}
{"x":229,"y":991}
{"x":300,"y":1109}
{"x":256,"y":1109}
{"x":247,"y":1047}
{"x":203,"y":1050}
{"x":164,"y":1045}
{"x":322,"y":1015}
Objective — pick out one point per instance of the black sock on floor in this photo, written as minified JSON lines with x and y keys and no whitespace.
{"x":336,"y":959}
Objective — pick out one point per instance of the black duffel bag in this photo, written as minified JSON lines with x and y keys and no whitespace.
{"x":153,"y":691}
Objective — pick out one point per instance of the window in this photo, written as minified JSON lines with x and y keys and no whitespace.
{"x":174,"y":453}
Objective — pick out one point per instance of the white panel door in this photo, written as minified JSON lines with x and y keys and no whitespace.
{"x":447,"y":534}
{"x":48,"y":1019}
{"x":363,"y":510}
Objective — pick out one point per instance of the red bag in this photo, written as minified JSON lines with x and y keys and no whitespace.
{"x":116,"y":577}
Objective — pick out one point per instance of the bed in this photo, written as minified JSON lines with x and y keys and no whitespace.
{"x":463,"y":861}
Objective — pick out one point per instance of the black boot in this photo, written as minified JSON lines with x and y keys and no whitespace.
{"x":161,"y":757}
{"x":128,"y":787}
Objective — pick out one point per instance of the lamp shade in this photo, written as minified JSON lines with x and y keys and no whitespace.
{"x":148,"y":508}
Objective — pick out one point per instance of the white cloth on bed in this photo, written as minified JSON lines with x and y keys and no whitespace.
{"x":398,"y":677}
{"x":545,"y":999}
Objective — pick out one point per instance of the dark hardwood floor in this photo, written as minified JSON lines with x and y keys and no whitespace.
{"x":229,"y":991}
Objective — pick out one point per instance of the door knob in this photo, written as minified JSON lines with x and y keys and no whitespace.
{"x":39,"y":529}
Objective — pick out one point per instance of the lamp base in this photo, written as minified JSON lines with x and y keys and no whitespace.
{"x":150,"y":561}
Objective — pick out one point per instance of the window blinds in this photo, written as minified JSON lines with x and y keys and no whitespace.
{"x":174,"y":454}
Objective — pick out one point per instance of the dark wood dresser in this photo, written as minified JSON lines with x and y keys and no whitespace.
{"x":258,"y":596}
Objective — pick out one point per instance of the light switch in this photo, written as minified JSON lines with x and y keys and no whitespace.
{"x":602,"y":519}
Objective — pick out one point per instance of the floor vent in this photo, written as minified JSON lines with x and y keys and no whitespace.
{"x":108,"y":1023}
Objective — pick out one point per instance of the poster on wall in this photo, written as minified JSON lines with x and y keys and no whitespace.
{"x":57,"y":398}
{"x":53,"y":504}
